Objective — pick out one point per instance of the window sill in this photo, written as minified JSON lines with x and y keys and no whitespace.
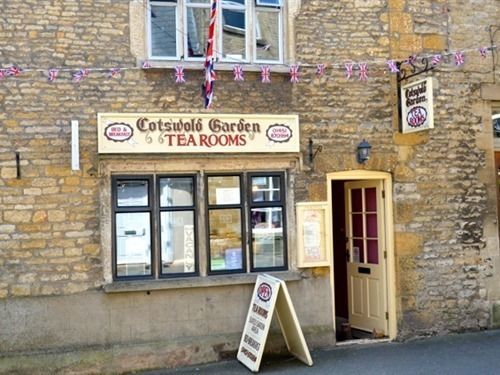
{"x":194,"y":282}
{"x":219,"y":66}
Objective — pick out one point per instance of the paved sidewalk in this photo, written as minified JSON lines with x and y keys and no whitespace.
{"x":469,"y":353}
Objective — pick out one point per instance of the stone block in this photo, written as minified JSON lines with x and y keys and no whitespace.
{"x":17,"y":216}
{"x":401,"y":23}
{"x":495,"y":315}
{"x":56,"y":216}
{"x":408,"y":243}
{"x":8,"y":172}
{"x":411,"y":139}
{"x":410,"y":43}
{"x":434,"y":42}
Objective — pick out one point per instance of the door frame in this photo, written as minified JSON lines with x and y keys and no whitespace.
{"x":386,"y":178}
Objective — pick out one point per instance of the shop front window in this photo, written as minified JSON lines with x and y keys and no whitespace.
{"x":155,"y":224}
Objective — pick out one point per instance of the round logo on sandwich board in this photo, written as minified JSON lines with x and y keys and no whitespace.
{"x":264,"y":292}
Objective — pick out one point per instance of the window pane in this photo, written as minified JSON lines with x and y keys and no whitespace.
{"x":372,"y":251}
{"x":225,"y":240}
{"x":266,"y":189}
{"x":358,"y":251}
{"x":133,"y":244}
{"x":223,"y":190}
{"x":267,"y":236}
{"x":176,"y":191}
{"x":163,"y":31}
{"x":371,"y":199}
{"x":269,"y":2}
{"x":234,"y":34}
{"x":198,"y":1}
{"x":268,"y":35}
{"x":371,"y":225}
{"x":356,"y":202}
{"x":357,"y":225}
{"x":197,"y":30}
{"x":177,"y":242}
{"x":132,"y":193}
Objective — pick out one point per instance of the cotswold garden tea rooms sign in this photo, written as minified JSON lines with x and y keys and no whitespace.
{"x":191,"y":133}
{"x":417,"y":106}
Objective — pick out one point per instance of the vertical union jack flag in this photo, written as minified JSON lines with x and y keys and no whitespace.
{"x":3,"y":73}
{"x":80,"y":75}
{"x":348,"y":70}
{"x":294,"y":73}
{"x":53,"y":73}
{"x":238,"y":73}
{"x":14,"y":71}
{"x":179,"y":74}
{"x":363,"y":72}
{"x":146,"y":64}
{"x":114,"y":73}
{"x":436,"y":59}
{"x":392,"y":66}
{"x":459,"y":58}
{"x":483,"y":51}
{"x":210,"y":57}
{"x":265,"y":74}
{"x":320,"y":69}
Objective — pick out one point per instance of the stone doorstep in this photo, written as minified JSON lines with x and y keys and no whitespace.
{"x":124,"y":358}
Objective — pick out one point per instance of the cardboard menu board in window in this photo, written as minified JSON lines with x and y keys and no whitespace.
{"x":270,"y":294}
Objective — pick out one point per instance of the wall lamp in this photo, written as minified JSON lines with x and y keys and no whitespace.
{"x":313,"y":153}
{"x":363,"y":151}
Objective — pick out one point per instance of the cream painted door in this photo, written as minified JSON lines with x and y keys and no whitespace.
{"x":366,"y":263}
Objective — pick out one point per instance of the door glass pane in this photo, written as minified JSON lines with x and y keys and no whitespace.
{"x":234,"y":30}
{"x":267,"y":237}
{"x":267,"y":34}
{"x":358,"y":251}
{"x":372,"y":251}
{"x":223,"y":190}
{"x":225,"y":240}
{"x":266,"y":189}
{"x":177,"y":242}
{"x":357,"y":225}
{"x":132,"y":193}
{"x":371,"y":199}
{"x":356,"y":200}
{"x":176,"y":191}
{"x":371,"y":225}
{"x":133,"y":244}
{"x":197,"y":30}
{"x":163,"y":31}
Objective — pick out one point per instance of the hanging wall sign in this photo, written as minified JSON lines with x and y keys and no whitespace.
{"x":417,"y":106}
{"x":196,"y":133}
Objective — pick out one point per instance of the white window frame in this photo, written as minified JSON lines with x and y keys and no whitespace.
{"x":251,"y":37}
{"x":178,"y":31}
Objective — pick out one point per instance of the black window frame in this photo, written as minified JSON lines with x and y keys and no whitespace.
{"x":131,"y":209}
{"x":161,"y":209}
{"x":267,"y":204}
{"x":154,"y":210}
{"x":240,"y":206}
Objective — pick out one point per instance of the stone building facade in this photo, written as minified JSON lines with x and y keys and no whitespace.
{"x":61,"y":308}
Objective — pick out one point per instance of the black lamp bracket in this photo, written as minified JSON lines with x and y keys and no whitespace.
{"x":313,"y":153}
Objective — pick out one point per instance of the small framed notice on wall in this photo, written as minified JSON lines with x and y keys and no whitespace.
{"x":312,"y":238}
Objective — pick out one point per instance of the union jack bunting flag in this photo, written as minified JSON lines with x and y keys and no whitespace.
{"x":114,"y":73}
{"x":294,"y":73}
{"x":3,"y":73}
{"x":80,"y":75}
{"x":14,"y":71}
{"x":265,"y":74}
{"x":392,"y":66}
{"x":459,"y":58}
{"x":53,"y":73}
{"x":320,"y":69}
{"x":363,"y":72}
{"x":483,"y":51}
{"x":179,"y":74}
{"x":436,"y":59}
{"x":348,"y":70}
{"x":238,"y":73}
{"x":146,"y":65}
